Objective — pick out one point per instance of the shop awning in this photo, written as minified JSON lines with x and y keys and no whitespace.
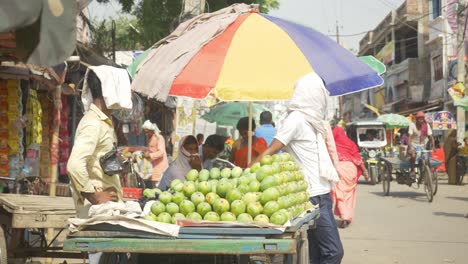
{"x":426,"y":108}
{"x":41,"y":32}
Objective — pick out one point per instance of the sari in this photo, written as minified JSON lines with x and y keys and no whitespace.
{"x":348,"y":168}
{"x":259,"y":145}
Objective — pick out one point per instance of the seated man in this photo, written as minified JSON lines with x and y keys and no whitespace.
{"x":370,"y":136}
{"x":419,"y":135}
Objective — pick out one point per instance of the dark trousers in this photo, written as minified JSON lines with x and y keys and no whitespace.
{"x":324,"y":241}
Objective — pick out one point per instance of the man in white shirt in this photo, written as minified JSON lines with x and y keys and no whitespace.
{"x":301,"y":134}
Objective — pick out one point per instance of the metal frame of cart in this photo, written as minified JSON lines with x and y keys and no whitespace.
{"x":31,"y":215}
{"x":242,"y":242}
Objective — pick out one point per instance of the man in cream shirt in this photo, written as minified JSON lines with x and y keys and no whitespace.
{"x":95,"y":137}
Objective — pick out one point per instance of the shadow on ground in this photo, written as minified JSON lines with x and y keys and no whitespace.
{"x":449,"y":214}
{"x":458,"y":198}
{"x":414,"y":195}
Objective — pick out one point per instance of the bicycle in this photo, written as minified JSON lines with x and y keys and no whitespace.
{"x":462,"y":167}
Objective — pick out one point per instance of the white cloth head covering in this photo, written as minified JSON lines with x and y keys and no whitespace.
{"x":115,"y":84}
{"x":310,"y":99}
{"x":151,"y":126}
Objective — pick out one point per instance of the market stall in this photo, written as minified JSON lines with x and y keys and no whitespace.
{"x":263,"y":211}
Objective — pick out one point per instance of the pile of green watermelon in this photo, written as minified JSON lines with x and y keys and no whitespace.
{"x":272,"y":191}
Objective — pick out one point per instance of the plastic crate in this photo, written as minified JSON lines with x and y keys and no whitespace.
{"x":132,"y":193}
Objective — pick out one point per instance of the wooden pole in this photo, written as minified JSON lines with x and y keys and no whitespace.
{"x":54,"y":147}
{"x":249,"y":142}
{"x":54,"y":154}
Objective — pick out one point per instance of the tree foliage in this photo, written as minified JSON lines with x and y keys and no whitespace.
{"x":126,"y":34}
{"x":154,"y":19}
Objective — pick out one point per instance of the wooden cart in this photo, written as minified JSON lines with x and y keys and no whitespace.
{"x":24,"y":220}
{"x":196,"y":241}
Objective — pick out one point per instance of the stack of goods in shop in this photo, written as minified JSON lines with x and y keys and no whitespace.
{"x":271,"y":192}
{"x":15,"y":131}
{"x":10,"y":128}
{"x":47,"y":110}
{"x":33,"y":132}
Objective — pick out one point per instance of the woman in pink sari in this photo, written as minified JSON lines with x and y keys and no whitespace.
{"x":349,"y":167}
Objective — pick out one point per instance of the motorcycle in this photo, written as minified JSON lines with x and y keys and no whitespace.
{"x":370,"y":137}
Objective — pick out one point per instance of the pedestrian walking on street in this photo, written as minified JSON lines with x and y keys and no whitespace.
{"x":350,"y":166}
{"x":302,"y":133}
{"x":451,"y":149}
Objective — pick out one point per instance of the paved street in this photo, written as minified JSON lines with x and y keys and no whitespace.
{"x":404,"y":228}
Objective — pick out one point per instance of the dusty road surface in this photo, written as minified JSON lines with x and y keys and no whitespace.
{"x":404,"y":228}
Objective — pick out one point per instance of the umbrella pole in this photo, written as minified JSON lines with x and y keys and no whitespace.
{"x":249,"y":142}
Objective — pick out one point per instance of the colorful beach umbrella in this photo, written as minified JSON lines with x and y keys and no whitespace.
{"x":374,"y":63}
{"x":256,"y":57}
{"x":394,"y":121}
{"x":228,"y":114}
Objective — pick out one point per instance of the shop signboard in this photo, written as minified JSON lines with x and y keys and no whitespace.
{"x":387,"y":53}
{"x":443,"y":120}
{"x":185,"y":120}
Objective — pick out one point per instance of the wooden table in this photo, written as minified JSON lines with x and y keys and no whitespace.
{"x":193,"y":241}
{"x":23,"y":215}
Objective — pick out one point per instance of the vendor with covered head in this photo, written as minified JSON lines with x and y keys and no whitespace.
{"x":191,"y":157}
{"x":156,"y":151}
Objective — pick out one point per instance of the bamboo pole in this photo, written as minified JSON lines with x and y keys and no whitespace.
{"x":250,"y":133}
{"x":54,"y":154}
{"x":54,"y":147}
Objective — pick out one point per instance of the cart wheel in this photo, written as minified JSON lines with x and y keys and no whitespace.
{"x":428,"y":183}
{"x":386,"y":178}
{"x":3,"y":248}
{"x":435,"y":182}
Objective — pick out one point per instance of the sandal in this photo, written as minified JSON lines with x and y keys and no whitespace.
{"x":344,"y":224}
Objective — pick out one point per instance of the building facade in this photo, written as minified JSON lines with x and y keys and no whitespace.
{"x":418,"y":45}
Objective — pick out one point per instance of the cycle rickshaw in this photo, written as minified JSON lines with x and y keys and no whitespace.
{"x":398,"y":169}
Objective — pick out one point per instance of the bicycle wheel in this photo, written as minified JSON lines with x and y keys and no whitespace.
{"x":3,"y":248}
{"x":426,"y":174}
{"x":435,"y":181}
{"x":460,"y":170}
{"x":386,"y":177}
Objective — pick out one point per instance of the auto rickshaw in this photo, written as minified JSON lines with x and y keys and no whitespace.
{"x":370,"y":137}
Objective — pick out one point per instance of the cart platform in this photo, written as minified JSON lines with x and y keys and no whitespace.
{"x":397,"y":163}
{"x":201,"y":240}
